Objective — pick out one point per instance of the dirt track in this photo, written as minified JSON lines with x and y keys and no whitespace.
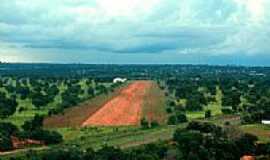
{"x":124,"y":109}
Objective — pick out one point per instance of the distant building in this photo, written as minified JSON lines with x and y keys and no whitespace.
{"x":121,"y":80}
{"x":18,"y":143}
{"x":266,"y":122}
{"x":247,"y":158}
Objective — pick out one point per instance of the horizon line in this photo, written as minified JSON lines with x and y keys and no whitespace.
{"x":154,"y":64}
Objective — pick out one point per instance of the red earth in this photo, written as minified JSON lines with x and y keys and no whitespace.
{"x":18,"y":144}
{"x":124,"y":109}
{"x":247,"y":158}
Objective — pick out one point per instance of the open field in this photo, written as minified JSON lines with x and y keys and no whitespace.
{"x":96,"y":137}
{"x":154,"y":104}
{"x":123,"y":137}
{"x":124,"y":109}
{"x":260,"y":130}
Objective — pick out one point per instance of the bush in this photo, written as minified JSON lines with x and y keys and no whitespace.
{"x":144,"y":123}
{"x":207,"y":114}
{"x":169,"y":110}
{"x":55,"y":111}
{"x":263,"y":149}
{"x":204,"y":141}
{"x":110,"y":153}
{"x":5,"y":143}
{"x":154,"y":124}
{"x":181,"y":118}
{"x":249,"y":118}
{"x":246,"y":144}
{"x":194,"y":104}
{"x":35,"y":123}
{"x":227,"y":110}
{"x":172,"y":120}
{"x":177,"y":118}
{"x":188,"y":141}
{"x":205,"y":127}
{"x":48,"y":137}
{"x":7,"y":105}
{"x":7,"y":128}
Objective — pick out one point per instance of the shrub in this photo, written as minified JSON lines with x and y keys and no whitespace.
{"x":181,"y":118}
{"x":7,"y":128}
{"x":254,"y":117}
{"x":205,"y":127}
{"x":144,"y":123}
{"x":207,"y":114}
{"x":227,"y":110}
{"x":169,"y":110}
{"x":35,"y":123}
{"x":154,"y":124}
{"x":48,"y":137}
{"x":5,"y":143}
{"x":246,"y":144}
{"x":172,"y":120}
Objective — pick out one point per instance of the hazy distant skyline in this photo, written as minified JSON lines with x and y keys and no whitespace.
{"x":136,"y":31}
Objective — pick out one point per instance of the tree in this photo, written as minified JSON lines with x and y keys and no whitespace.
{"x":110,"y":153}
{"x":236,"y":100}
{"x":48,"y":137}
{"x":7,"y":105}
{"x":91,"y":92}
{"x":246,"y":144}
{"x":40,"y":100}
{"x":172,"y":120}
{"x":144,"y":123}
{"x":102,"y":89}
{"x":5,"y":142}
{"x":24,"y":92}
{"x":188,"y":141}
{"x":7,"y":128}
{"x":181,"y":117}
{"x":207,"y":114}
{"x":193,"y":105}
{"x":34,"y":124}
{"x":154,"y":124}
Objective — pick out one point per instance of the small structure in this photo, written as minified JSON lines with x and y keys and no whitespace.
{"x":266,"y":122}
{"x":19,"y":144}
{"x":121,"y":80}
{"x":247,"y":158}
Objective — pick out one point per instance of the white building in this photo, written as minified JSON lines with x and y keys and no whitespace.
{"x":121,"y":80}
{"x":266,"y":122}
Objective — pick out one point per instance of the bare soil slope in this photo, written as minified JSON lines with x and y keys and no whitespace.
{"x":124,"y":109}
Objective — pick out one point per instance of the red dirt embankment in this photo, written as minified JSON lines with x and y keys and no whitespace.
{"x":75,"y":116}
{"x":124,"y":109}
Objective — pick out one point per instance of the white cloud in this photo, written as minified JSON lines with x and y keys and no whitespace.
{"x":223,"y":27}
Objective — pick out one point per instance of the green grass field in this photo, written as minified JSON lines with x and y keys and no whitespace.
{"x":260,"y":130}
{"x":122,"y":137}
{"x":29,"y":111}
{"x":214,"y":107}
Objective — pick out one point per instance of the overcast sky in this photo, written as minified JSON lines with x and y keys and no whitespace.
{"x":136,"y":31}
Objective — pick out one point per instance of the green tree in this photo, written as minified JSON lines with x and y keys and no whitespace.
{"x":208,"y":114}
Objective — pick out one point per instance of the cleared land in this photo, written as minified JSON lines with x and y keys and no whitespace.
{"x":75,"y":116}
{"x":154,"y":104}
{"x":260,"y":130}
{"x":124,"y":109}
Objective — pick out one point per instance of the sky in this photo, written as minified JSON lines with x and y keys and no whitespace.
{"x":136,"y":31}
